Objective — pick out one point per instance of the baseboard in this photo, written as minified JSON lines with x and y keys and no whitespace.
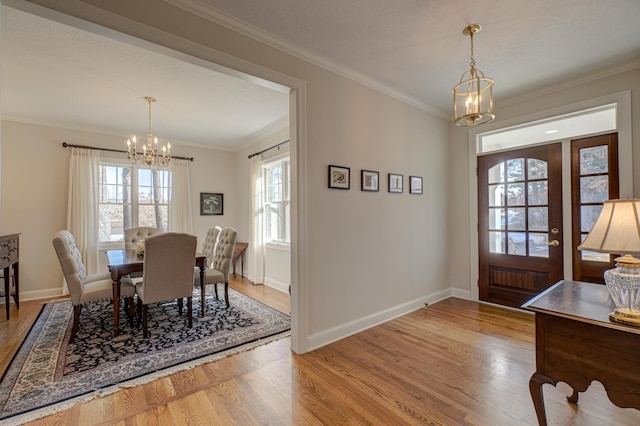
{"x":38,"y":294}
{"x":326,"y":337}
{"x":277,"y":285}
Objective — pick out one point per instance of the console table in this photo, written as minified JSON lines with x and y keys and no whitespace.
{"x":239,"y":250}
{"x":576,"y":343}
{"x":9,"y":250}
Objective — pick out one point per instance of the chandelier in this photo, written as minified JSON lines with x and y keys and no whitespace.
{"x":473,"y":96}
{"x":150,"y":153}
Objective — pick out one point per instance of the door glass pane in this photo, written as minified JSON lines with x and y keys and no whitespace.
{"x":538,"y":193}
{"x":496,"y":218}
{"x":538,"y":219}
{"x":588,"y":216}
{"x":496,"y":173}
{"x":515,"y":194}
{"x":516,"y":219}
{"x":592,"y":255}
{"x":496,"y":195}
{"x":516,"y":243}
{"x":515,"y":170}
{"x":594,"y":160}
{"x":496,"y":242}
{"x":537,"y":169}
{"x":538,"y":246}
{"x":594,"y":189}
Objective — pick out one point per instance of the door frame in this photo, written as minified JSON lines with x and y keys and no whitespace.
{"x":623,"y":120}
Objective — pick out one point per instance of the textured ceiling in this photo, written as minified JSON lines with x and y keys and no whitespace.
{"x":413,"y":49}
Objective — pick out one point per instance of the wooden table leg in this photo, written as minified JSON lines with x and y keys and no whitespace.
{"x":115,"y":278}
{"x":7,"y":293}
{"x":16,"y":285}
{"x":535,"y":388}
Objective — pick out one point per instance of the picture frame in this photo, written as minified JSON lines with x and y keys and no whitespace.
{"x":415,"y":184}
{"x":339,"y":177}
{"x":395,"y":183}
{"x":369,"y":180}
{"x":211,"y":204}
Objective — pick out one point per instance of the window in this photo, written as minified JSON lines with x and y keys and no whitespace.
{"x":276,"y":200}
{"x":131,"y":196}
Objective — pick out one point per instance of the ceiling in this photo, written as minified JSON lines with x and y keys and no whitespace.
{"x":414,"y":50}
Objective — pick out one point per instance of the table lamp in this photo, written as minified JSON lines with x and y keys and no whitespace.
{"x":617,"y":230}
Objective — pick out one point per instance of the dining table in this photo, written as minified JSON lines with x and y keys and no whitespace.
{"x":124,"y":262}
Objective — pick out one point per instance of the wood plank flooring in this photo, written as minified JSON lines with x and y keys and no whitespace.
{"x":453,"y":363}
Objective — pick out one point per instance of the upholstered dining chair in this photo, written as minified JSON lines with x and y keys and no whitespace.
{"x":209,"y":244}
{"x":219,"y":268}
{"x":167,"y":273}
{"x":84,"y":288}
{"x":132,"y":236}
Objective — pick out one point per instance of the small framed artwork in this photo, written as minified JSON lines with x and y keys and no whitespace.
{"x":369,"y":180}
{"x":395,"y":183}
{"x":339,"y":177}
{"x":415,"y":185}
{"x":211,"y":204}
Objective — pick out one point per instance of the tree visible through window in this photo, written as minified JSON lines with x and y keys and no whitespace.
{"x":276,"y":201}
{"x":129,"y":197}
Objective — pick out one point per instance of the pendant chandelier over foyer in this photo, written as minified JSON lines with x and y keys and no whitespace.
{"x":473,"y":96}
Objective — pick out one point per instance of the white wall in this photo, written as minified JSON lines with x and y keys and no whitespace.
{"x":462,"y":272}
{"x":35,"y":170}
{"x":360,"y":258}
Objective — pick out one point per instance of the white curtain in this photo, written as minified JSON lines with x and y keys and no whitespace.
{"x":181,"y":219}
{"x":256,"y":245}
{"x":82,"y":208}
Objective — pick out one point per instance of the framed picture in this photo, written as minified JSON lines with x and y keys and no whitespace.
{"x":395,"y":183}
{"x":415,"y":185}
{"x":339,"y":177}
{"x":210,"y":204}
{"x":369,"y":180}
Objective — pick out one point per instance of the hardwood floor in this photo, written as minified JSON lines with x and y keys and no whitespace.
{"x":454,"y":363}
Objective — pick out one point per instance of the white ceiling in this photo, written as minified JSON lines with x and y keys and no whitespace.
{"x":413,"y":49}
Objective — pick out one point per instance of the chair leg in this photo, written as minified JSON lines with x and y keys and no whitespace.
{"x":226,"y":292}
{"x":145,"y":332}
{"x":139,"y":311}
{"x":180,"y":306}
{"x":215,"y":289}
{"x":190,"y":311}
{"x":77,"y":309}
{"x":129,"y":305}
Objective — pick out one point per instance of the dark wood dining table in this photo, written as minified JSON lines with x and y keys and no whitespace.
{"x":125,"y":262}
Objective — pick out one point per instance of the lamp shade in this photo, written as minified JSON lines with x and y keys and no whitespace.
{"x":617,"y":229}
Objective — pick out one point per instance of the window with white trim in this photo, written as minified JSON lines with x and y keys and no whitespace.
{"x":131,"y":196}
{"x":276,"y":200}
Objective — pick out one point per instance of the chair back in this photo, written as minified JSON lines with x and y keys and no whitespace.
{"x":70,"y":259}
{"x":209,"y":244}
{"x":169,"y":260}
{"x":133,"y":236}
{"x":224,"y":251}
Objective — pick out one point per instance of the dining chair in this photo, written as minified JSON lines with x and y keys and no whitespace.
{"x":167,"y":273}
{"x":219,"y":269}
{"x":83,"y":288}
{"x":132,"y":236}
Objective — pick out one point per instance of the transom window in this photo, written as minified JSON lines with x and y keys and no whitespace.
{"x":276,"y":200}
{"x":131,"y":196}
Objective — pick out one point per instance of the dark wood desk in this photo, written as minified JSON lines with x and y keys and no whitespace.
{"x":239,"y":250}
{"x":576,"y":343}
{"x":124,"y":262}
{"x":9,"y":257}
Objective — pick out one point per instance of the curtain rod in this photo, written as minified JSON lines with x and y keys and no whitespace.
{"x":65,"y":145}
{"x":268,"y":149}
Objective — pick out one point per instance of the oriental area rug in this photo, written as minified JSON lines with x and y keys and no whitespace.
{"x":48,"y":374}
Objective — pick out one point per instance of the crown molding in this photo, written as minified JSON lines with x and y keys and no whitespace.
{"x":203,"y":10}
{"x":587,"y":78}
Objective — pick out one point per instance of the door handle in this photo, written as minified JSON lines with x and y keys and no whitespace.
{"x":554,"y":243}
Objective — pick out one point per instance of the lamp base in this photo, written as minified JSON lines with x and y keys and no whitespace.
{"x":629,"y":319}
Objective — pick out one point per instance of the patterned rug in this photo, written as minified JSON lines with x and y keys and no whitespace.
{"x":47,"y":370}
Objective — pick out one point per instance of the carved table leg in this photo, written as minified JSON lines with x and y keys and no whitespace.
{"x":535,"y":388}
